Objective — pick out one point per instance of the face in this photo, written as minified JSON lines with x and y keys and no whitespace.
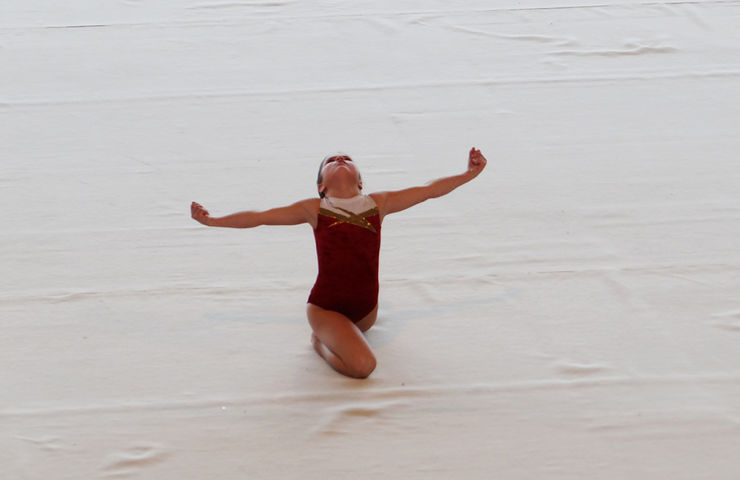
{"x":338,"y":160}
{"x":338,"y":168}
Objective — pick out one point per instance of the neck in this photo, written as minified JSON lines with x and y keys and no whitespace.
{"x":348,"y":192}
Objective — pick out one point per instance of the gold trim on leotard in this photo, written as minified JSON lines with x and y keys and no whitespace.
{"x":359,"y":219}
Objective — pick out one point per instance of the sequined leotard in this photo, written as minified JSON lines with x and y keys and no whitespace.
{"x":347,"y":246}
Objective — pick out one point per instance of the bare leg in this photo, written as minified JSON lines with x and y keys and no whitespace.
{"x":340,"y":342}
{"x":369,"y":320}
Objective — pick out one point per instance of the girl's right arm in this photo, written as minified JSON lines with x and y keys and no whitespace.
{"x":305,"y":211}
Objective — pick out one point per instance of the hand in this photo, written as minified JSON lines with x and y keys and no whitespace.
{"x":476,"y":162}
{"x":199,"y":213}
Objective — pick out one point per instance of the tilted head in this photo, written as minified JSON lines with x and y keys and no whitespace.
{"x":337,"y":170}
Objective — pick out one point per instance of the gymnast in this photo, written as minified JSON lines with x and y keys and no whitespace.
{"x":343,"y":302}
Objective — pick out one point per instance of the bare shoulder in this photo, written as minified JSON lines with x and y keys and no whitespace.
{"x":380,"y":199}
{"x":310,"y":207}
{"x":309,"y":203}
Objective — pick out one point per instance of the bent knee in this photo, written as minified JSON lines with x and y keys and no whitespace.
{"x":363,"y":366}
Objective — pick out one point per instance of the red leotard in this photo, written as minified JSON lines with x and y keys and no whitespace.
{"x":347,"y":246}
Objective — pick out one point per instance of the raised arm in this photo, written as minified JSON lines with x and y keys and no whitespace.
{"x":391,"y":202}
{"x":304,"y":211}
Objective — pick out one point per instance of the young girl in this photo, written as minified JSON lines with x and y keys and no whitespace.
{"x":346,"y":223}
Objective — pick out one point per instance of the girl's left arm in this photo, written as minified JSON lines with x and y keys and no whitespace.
{"x":391,"y":202}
